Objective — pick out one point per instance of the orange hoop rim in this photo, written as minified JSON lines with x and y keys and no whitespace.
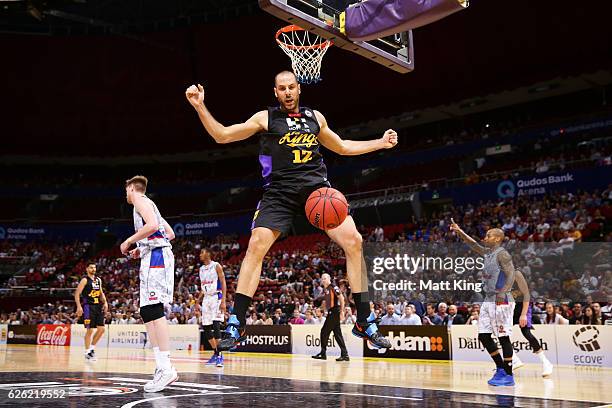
{"x":293,"y":27}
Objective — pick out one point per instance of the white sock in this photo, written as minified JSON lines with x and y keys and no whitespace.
{"x":164,"y":360}
{"x":92,"y":347}
{"x":156,"y":351}
{"x":542,"y":358}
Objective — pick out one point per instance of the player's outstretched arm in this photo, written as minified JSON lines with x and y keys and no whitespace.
{"x":224,"y":134}
{"x":475,"y":246}
{"x":336,"y":144}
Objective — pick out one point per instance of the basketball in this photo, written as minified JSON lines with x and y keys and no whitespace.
{"x":326,"y":208}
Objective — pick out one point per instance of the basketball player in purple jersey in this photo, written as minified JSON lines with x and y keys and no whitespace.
{"x":292,"y":167}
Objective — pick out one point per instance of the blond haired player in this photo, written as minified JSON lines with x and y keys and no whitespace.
{"x":152,"y":240}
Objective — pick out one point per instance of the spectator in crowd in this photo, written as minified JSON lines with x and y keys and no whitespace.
{"x":196,"y":318}
{"x":252,"y":319}
{"x":390,"y":318}
{"x":442,"y":308}
{"x":473,"y":319}
{"x":349,"y":317}
{"x":296,"y":319}
{"x":452,"y":317}
{"x":266,"y":319}
{"x":431,"y":318}
{"x":172,"y":320}
{"x":279,"y":318}
{"x":379,"y":234}
{"x":319,"y":318}
{"x":410,"y":318}
{"x":606,"y":311}
{"x":552,"y":317}
{"x":309,"y":318}
{"x":597,"y":313}
{"x":577,"y":314}
{"x":589,"y":316}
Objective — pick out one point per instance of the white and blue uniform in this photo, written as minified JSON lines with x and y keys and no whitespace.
{"x":213,"y":294}
{"x":495,"y":316}
{"x":156,"y":262}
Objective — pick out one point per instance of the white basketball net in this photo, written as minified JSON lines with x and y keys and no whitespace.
{"x":306,"y":51}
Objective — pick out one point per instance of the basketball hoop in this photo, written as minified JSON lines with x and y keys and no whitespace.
{"x":306,"y":51}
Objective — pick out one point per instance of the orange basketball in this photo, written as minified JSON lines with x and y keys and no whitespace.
{"x":326,"y":208}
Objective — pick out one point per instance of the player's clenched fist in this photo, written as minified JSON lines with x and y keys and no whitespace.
{"x":389,"y":139}
{"x":195,"y":95}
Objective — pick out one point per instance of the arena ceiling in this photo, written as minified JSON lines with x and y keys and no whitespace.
{"x":108,"y":77}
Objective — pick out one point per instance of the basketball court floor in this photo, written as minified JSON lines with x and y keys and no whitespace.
{"x":265,"y":380}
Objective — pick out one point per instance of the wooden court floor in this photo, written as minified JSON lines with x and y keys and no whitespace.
{"x":265,"y":380}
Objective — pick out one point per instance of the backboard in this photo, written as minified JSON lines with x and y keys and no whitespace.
{"x":323,"y":18}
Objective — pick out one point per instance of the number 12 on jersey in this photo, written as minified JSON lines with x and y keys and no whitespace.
{"x":301,"y":156}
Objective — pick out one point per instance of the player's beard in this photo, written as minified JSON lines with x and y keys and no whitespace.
{"x":289,"y":106}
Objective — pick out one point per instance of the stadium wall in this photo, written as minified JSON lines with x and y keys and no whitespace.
{"x":570,"y":345}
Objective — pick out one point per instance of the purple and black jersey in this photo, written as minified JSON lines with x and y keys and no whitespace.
{"x":289,"y":152}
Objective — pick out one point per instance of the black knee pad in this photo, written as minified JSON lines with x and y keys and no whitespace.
{"x":487,"y":342}
{"x":152,"y":312}
{"x":216,"y":329}
{"x":506,"y":346}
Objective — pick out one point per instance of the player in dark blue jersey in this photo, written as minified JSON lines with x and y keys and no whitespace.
{"x":91,"y":308}
{"x":292,"y":168}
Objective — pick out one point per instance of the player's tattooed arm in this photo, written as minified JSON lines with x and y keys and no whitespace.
{"x":220,"y":133}
{"x":507,"y":266}
{"x":471,"y":242}
{"x":336,"y":144}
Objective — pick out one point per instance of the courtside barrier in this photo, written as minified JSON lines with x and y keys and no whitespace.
{"x":267,"y":339}
{"x":413,"y":342}
{"x":467,"y":347}
{"x":587,"y":345}
{"x":306,"y":339}
{"x":3,"y":333}
{"x":574,"y":345}
{"x":21,"y":334}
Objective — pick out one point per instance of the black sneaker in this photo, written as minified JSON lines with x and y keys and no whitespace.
{"x":320,"y":356}
{"x":369,"y":331}
{"x":232,"y":336}
{"x":343,"y":358}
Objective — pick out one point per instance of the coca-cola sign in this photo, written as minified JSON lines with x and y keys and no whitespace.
{"x":53,"y":335}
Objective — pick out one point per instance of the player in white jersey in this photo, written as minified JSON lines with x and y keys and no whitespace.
{"x":212,"y":299}
{"x":152,"y":239}
{"x":497,"y":310}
